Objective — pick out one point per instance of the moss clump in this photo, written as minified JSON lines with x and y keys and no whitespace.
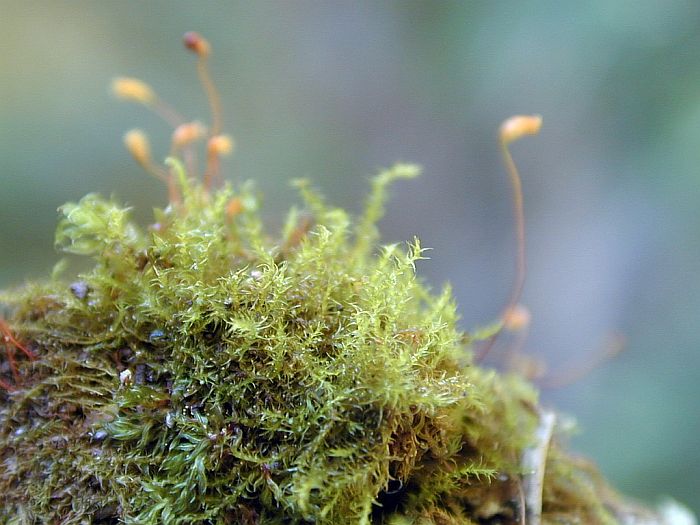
{"x":206,"y":371}
{"x":203,"y":371}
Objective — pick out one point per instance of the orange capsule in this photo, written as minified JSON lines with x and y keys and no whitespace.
{"x":133,"y":89}
{"x":188,"y":133}
{"x":220,"y":145}
{"x":517,"y":318}
{"x":234,"y":207}
{"x":519,"y":126}
{"x":196,"y":43}
{"x":137,"y":144}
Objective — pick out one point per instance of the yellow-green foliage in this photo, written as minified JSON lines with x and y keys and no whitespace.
{"x":206,"y":371}
{"x":203,"y":371}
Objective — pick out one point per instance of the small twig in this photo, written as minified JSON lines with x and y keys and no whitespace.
{"x":534,"y":462}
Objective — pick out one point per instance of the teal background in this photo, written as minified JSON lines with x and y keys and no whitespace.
{"x":333,"y":91}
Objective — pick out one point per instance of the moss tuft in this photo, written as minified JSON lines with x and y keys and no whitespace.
{"x":207,"y":371}
{"x":204,"y":372}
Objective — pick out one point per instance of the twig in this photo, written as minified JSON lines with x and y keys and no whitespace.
{"x":534,"y":461}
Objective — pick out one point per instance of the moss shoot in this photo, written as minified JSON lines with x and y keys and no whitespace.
{"x":208,"y":371}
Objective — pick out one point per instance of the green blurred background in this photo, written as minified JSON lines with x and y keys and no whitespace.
{"x":335,"y":90}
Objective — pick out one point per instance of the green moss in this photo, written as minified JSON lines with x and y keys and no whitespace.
{"x":205,"y":372}
{"x":208,"y":371}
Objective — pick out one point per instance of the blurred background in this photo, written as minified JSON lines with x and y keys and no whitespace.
{"x":334,"y":91}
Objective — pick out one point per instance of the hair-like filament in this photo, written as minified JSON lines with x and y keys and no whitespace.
{"x":511,"y":130}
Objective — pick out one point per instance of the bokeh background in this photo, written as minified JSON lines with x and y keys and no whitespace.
{"x":333,"y":91}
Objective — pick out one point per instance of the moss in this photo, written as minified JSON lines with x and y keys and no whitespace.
{"x":202,"y":369}
{"x":205,"y":370}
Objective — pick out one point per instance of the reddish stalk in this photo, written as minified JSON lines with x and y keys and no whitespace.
{"x":610,"y":349}
{"x":511,"y":130}
{"x":12,"y":344}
